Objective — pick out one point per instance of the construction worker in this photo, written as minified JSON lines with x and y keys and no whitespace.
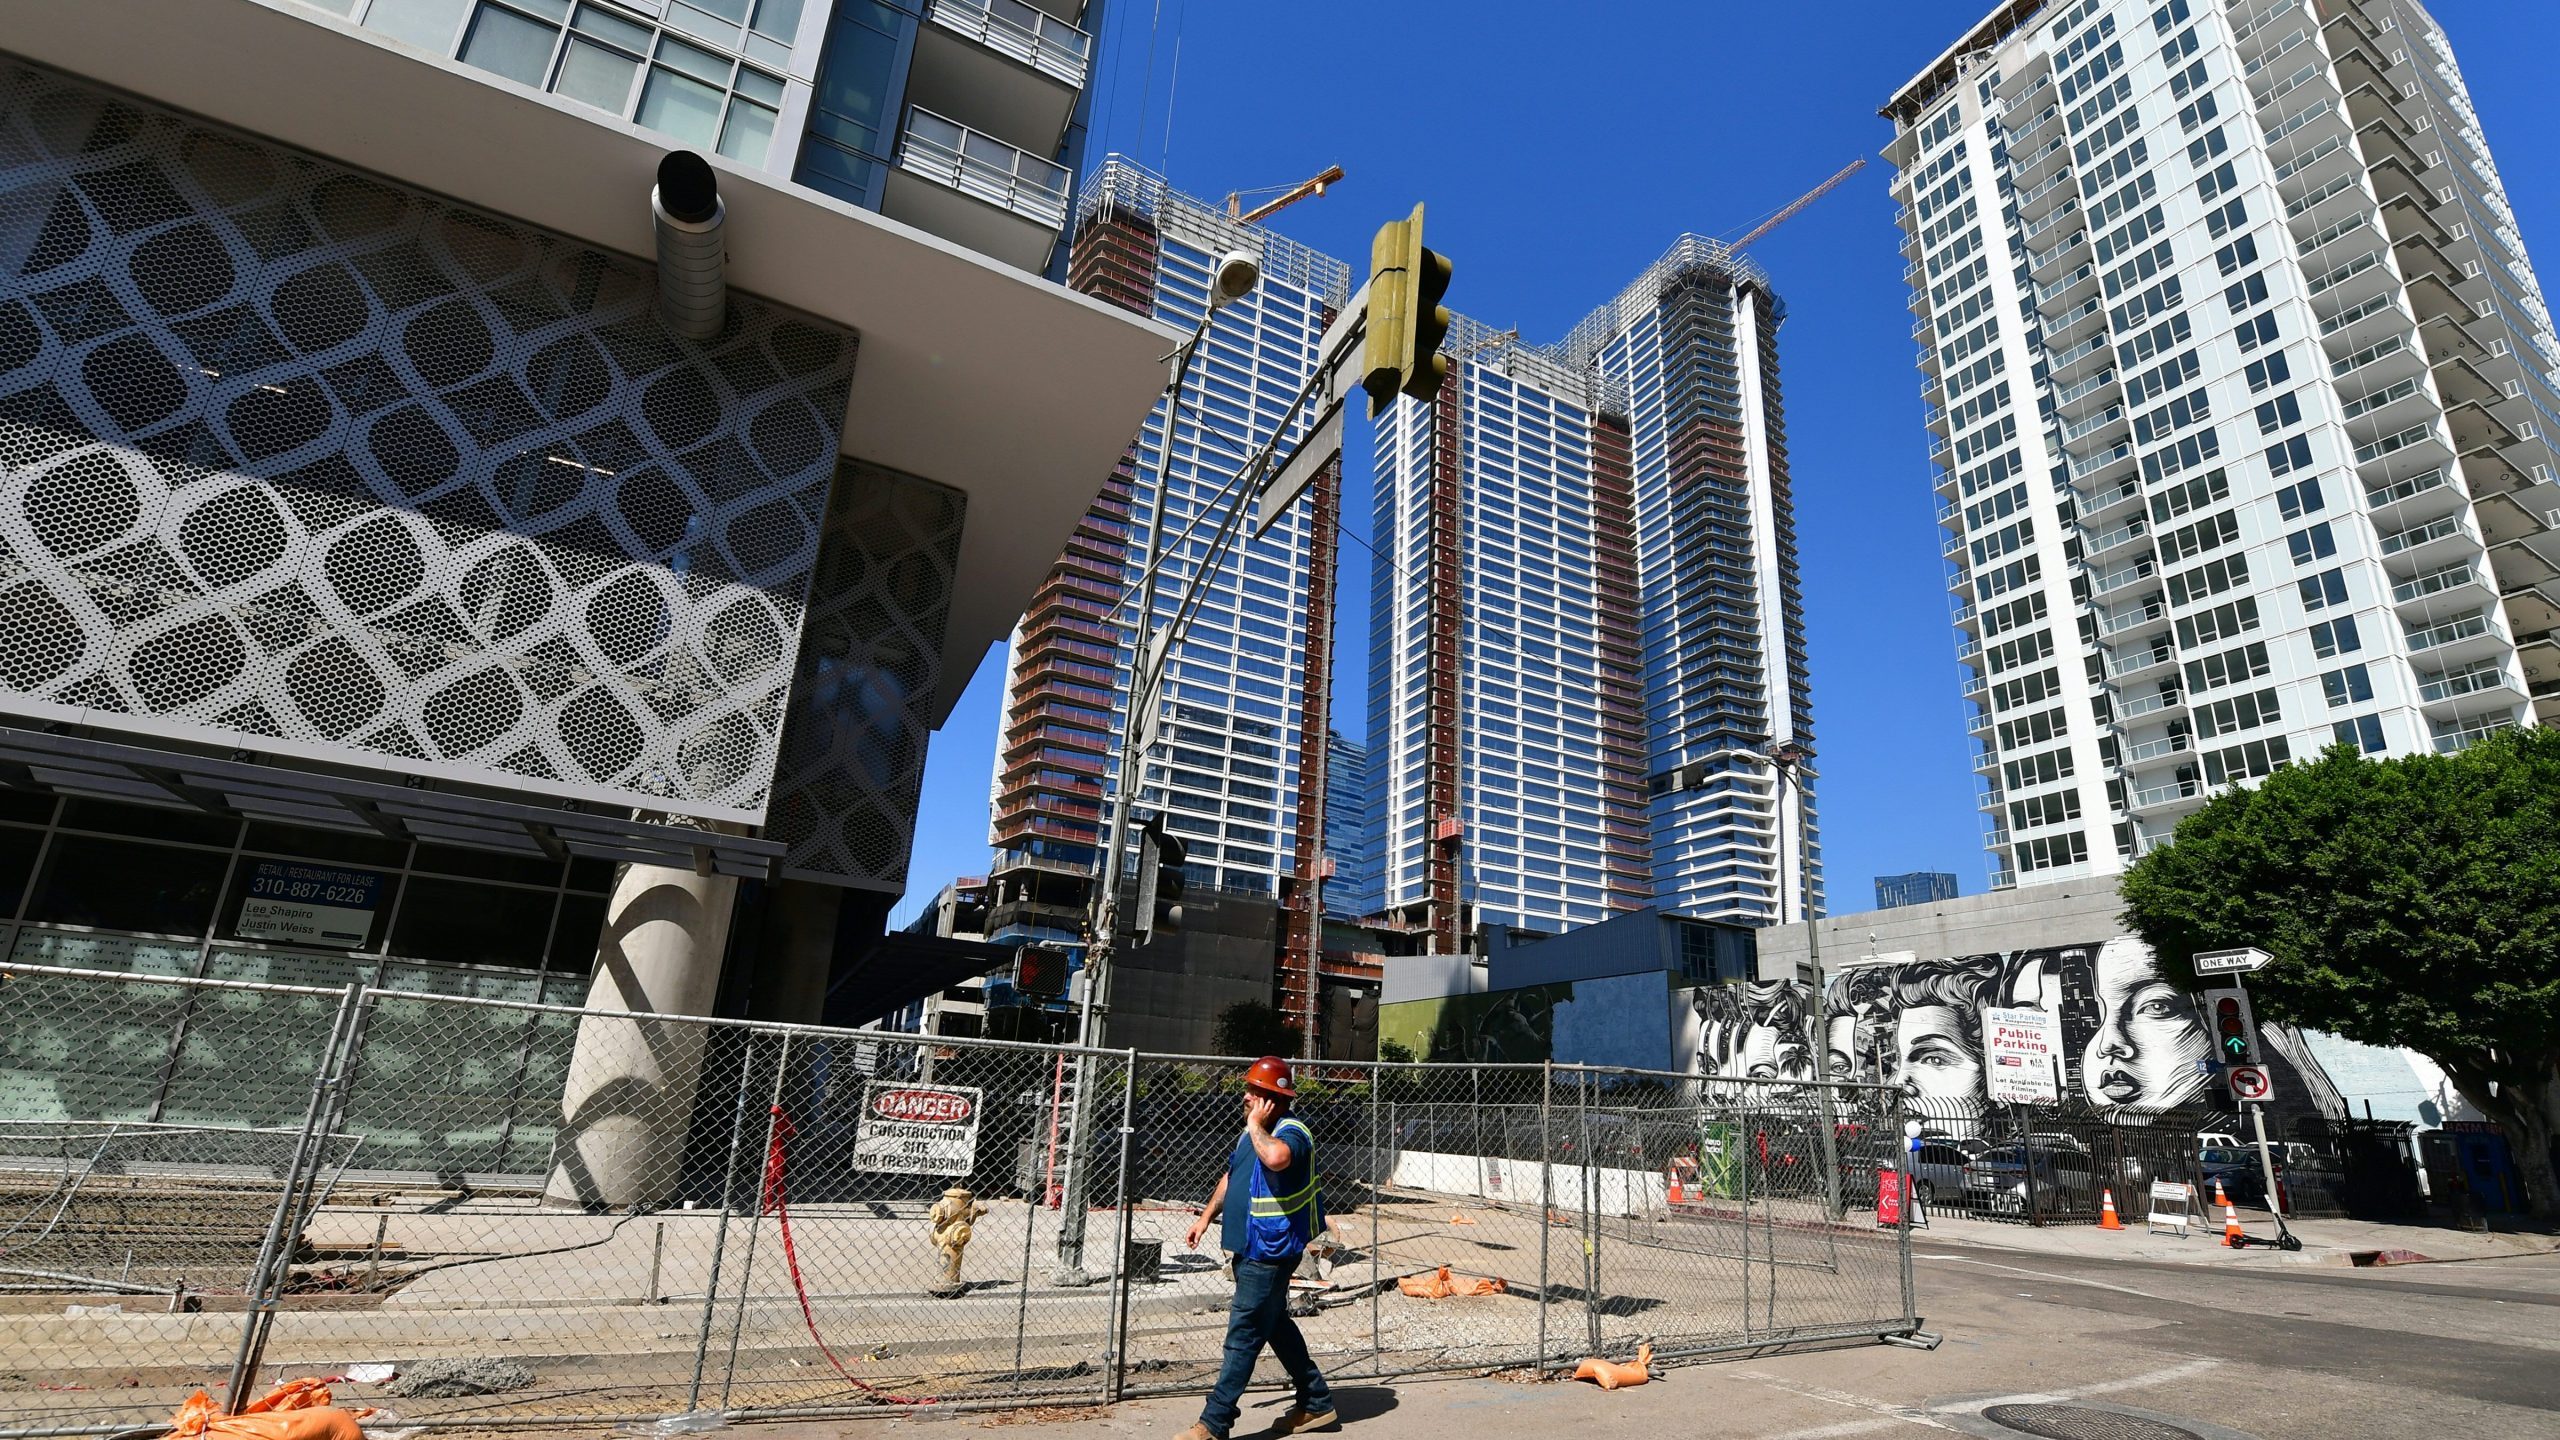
{"x":1273,"y":1171}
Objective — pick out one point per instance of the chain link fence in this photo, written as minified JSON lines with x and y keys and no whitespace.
{"x":538,"y":1214}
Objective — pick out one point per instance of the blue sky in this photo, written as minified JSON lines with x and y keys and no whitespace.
{"x":1560,"y":150}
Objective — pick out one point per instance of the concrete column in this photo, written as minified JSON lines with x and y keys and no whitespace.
{"x":798,"y":952}
{"x":630,"y":1093}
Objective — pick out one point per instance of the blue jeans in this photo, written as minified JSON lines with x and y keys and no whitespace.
{"x":1259,"y":1316}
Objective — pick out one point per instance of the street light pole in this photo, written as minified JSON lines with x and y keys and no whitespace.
{"x":1148,"y":658}
{"x":1787,"y":763}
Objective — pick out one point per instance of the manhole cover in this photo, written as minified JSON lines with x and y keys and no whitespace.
{"x":2079,"y":1422}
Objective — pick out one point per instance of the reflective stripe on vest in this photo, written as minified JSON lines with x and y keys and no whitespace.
{"x":1296,"y":1200}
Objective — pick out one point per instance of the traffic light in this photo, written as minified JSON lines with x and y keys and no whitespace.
{"x":1159,"y":902}
{"x":1040,"y":970}
{"x":2235,"y":1031}
{"x":1407,"y":322}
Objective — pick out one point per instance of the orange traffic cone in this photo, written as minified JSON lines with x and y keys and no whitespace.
{"x":1673,"y":1195}
{"x":2107,"y":1213}
{"x":2220,"y":1198}
{"x":2232,"y":1235}
{"x":1459,"y":1218}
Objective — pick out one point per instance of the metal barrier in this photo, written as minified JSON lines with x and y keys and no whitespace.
{"x":593,"y":1216}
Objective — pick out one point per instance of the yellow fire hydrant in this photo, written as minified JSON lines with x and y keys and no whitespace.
{"x":951,"y":1219}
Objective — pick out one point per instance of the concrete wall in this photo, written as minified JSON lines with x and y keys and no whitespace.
{"x":1636,"y":941}
{"x":1168,"y":994}
{"x":2070,"y":912}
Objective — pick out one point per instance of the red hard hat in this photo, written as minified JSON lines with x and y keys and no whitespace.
{"x":1272,"y":1073}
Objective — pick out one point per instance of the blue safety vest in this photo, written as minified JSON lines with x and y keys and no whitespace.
{"x":1282,"y":1210}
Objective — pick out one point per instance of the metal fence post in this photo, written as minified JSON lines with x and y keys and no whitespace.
{"x":1902,"y":1241}
{"x":1591,"y":1215}
{"x":1379,"y":1162}
{"x":1118,"y":1378}
{"x":719,"y":1240}
{"x":275,"y":1251}
{"x":755,"y":1227}
{"x":1546,"y":1201}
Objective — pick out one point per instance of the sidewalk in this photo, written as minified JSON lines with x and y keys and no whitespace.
{"x":2324,"y":1242}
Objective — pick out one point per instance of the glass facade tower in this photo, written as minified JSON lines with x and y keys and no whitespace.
{"x":1585,"y":619}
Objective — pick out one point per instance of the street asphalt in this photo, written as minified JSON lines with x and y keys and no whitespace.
{"x":2215,"y":1346}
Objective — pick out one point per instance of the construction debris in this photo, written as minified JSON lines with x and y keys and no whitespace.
{"x":448,"y":1379}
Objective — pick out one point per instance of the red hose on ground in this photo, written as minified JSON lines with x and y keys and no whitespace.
{"x":771,"y":1202}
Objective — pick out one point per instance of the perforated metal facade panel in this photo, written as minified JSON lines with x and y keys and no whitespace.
{"x":853,"y":753}
{"x":295,"y":459}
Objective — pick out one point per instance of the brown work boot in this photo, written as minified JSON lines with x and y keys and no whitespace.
{"x":1199,"y":1431}
{"x":1300,"y":1420}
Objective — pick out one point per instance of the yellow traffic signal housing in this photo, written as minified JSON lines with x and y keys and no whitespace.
{"x":1407,"y":322}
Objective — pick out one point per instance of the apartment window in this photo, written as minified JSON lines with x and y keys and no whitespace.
{"x":2335,"y":637}
{"x":2230,"y":667}
{"x":2202,"y":110}
{"x":2249,"y":761}
{"x":2362,"y":731}
{"x":690,"y":92}
{"x":2206,"y":146}
{"x":2347,"y":686}
{"x":2299,"y":499}
{"x":2050,"y":851}
{"x":2323,"y":590}
{"x":2227,"y":219}
{"x":2173,"y":13}
{"x":2313,"y":543}
{"x":2274,"y":370}
{"x":2205,"y":489}
{"x":2208,"y":534}
{"x":2051,"y":809}
{"x":2211,"y":578}
{"x":2257,"y":332}
{"x":2239,"y":712}
{"x":2189,"y":79}
{"x":2276,"y":414}
{"x":2219,"y":623}
{"x":2243,"y":251}
{"x":2252,"y":291}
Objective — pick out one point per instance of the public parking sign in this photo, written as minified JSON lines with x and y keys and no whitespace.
{"x":2250,"y":1082}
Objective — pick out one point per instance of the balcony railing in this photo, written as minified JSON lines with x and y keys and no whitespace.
{"x":2149,"y":704}
{"x":1024,"y":32}
{"x":2417,"y":535}
{"x":2367,"y":404}
{"x":2487,"y":675}
{"x":2434,"y":582}
{"x":2392,"y":443}
{"x":2435,"y":637}
{"x":2122,"y":576}
{"x":2163,"y":794}
{"x":2154,"y":749}
{"x":980,"y":165}
{"x":2399,"y":490}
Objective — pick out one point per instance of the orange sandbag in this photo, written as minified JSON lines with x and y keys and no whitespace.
{"x":324,"y":1422}
{"x":294,"y":1410}
{"x":1438,"y":1286}
{"x":1611,"y":1375}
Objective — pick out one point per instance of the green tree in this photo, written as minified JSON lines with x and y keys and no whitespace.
{"x":2412,"y":901}
{"x":1251,"y":1028}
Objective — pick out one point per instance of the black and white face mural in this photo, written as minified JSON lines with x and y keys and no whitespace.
{"x":2129,"y":1040}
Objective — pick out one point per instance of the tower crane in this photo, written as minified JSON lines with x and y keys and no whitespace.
{"x":1294,"y":194}
{"x":1799,"y":203}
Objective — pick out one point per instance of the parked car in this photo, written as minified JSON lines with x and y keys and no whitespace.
{"x":1998,"y":1180}
{"x":2238,"y":1170}
{"x":1937,"y":1168}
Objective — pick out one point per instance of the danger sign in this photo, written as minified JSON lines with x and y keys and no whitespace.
{"x":2250,"y":1082}
{"x":917,"y":1130}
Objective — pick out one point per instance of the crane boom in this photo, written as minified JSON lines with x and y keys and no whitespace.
{"x":1295,"y":193}
{"x":1801,"y":201}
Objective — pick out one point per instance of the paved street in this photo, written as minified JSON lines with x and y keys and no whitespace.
{"x":2279,"y":1352}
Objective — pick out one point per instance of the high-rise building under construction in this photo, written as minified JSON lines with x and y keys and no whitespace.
{"x":2241,"y":397}
{"x":1585,"y":624}
{"x":1241,"y":723}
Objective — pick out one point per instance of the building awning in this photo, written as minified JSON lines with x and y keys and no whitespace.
{"x":1019,"y":392}
{"x":76,"y":765}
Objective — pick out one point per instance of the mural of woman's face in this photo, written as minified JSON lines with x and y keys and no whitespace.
{"x":2149,"y":1037}
{"x":1935,"y":1058}
{"x":1763,"y":1054}
{"x":1843,"y":1045}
